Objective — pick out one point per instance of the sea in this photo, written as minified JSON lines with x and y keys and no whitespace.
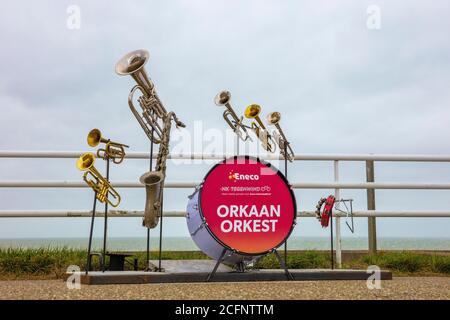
{"x":186,"y":243}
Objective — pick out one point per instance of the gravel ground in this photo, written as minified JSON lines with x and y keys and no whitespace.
{"x":399,"y":288}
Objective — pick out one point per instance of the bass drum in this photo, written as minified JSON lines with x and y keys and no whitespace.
{"x":244,"y":208}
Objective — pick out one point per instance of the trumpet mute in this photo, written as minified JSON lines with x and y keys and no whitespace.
{"x":252,"y":111}
{"x":132,"y":62}
{"x":222,"y":98}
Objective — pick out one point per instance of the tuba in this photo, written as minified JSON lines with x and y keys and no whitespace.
{"x":153,"y":110}
{"x":113,"y":150}
{"x":286,"y":151}
{"x":156,"y":123}
{"x":235,"y":123}
{"x":97,"y":182}
{"x":252,"y":112}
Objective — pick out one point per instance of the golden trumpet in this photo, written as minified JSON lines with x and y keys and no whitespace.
{"x":113,"y":150}
{"x":98,"y":183}
{"x":252,"y":112}
{"x":286,"y":151}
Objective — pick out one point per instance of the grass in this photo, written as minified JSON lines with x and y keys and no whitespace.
{"x":52,"y":263}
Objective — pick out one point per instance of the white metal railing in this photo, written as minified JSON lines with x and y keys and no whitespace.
{"x":175,"y":214}
{"x":370,"y":214}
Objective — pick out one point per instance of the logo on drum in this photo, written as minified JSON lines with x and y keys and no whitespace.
{"x":235,"y":176}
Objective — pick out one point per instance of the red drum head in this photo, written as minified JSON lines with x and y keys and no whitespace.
{"x":248,"y":205}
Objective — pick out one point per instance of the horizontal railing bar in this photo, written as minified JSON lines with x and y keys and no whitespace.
{"x":198,"y":156}
{"x":136,"y":213}
{"x":191,"y":184}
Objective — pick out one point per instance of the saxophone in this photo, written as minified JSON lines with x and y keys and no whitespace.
{"x":154,"y":180}
{"x":156,"y":123}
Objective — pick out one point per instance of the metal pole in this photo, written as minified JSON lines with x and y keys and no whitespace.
{"x":338,"y":219}
{"x":331,"y":239}
{"x":105,"y":229}
{"x":160,"y":231}
{"x":372,"y":232}
{"x":286,"y":176}
{"x":148,"y":229}
{"x":88,"y":262}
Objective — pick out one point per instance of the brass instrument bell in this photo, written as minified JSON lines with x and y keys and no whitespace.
{"x":96,"y":181}
{"x":286,"y":151}
{"x":112,"y":150}
{"x":252,"y":112}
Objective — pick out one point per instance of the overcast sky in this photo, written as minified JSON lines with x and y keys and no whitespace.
{"x":340,"y":86}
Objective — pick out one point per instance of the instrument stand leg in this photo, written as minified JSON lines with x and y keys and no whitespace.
{"x":88,"y":262}
{"x":331,"y":236}
{"x":286,"y":176}
{"x":160,"y":231}
{"x":148,"y":229}
{"x":240,"y":267}
{"x":219,"y":261}
{"x":283,"y":265}
{"x":147,"y":268}
{"x":105,"y":229}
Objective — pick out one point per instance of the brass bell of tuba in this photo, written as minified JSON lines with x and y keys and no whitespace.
{"x":96,"y":181}
{"x":267,"y":142}
{"x":286,"y":151}
{"x":113,"y":150}
{"x":223,"y":99}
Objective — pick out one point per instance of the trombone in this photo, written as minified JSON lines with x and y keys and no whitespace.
{"x":252,"y":112}
{"x":286,"y":151}
{"x":223,"y":99}
{"x":96,"y":181}
{"x":113,"y":150}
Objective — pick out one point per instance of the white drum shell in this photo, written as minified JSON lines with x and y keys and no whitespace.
{"x":203,"y":238}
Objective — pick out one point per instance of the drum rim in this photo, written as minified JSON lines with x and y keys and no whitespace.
{"x":280,"y":174}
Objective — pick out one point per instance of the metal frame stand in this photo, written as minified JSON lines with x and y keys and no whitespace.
{"x":331,"y":239}
{"x":148,"y":229}
{"x":160,"y":231}
{"x":219,"y":261}
{"x":105,"y":229}
{"x":286,"y":176}
{"x":88,"y":261}
{"x":283,"y":265}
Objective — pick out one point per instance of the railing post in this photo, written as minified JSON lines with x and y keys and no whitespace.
{"x":372,"y":227}
{"x":337,"y":219}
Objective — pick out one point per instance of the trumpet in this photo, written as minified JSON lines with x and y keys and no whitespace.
{"x":113,"y":150}
{"x":235,"y":123}
{"x":96,"y":181}
{"x":153,"y":111}
{"x":252,"y":112}
{"x":286,"y":151}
